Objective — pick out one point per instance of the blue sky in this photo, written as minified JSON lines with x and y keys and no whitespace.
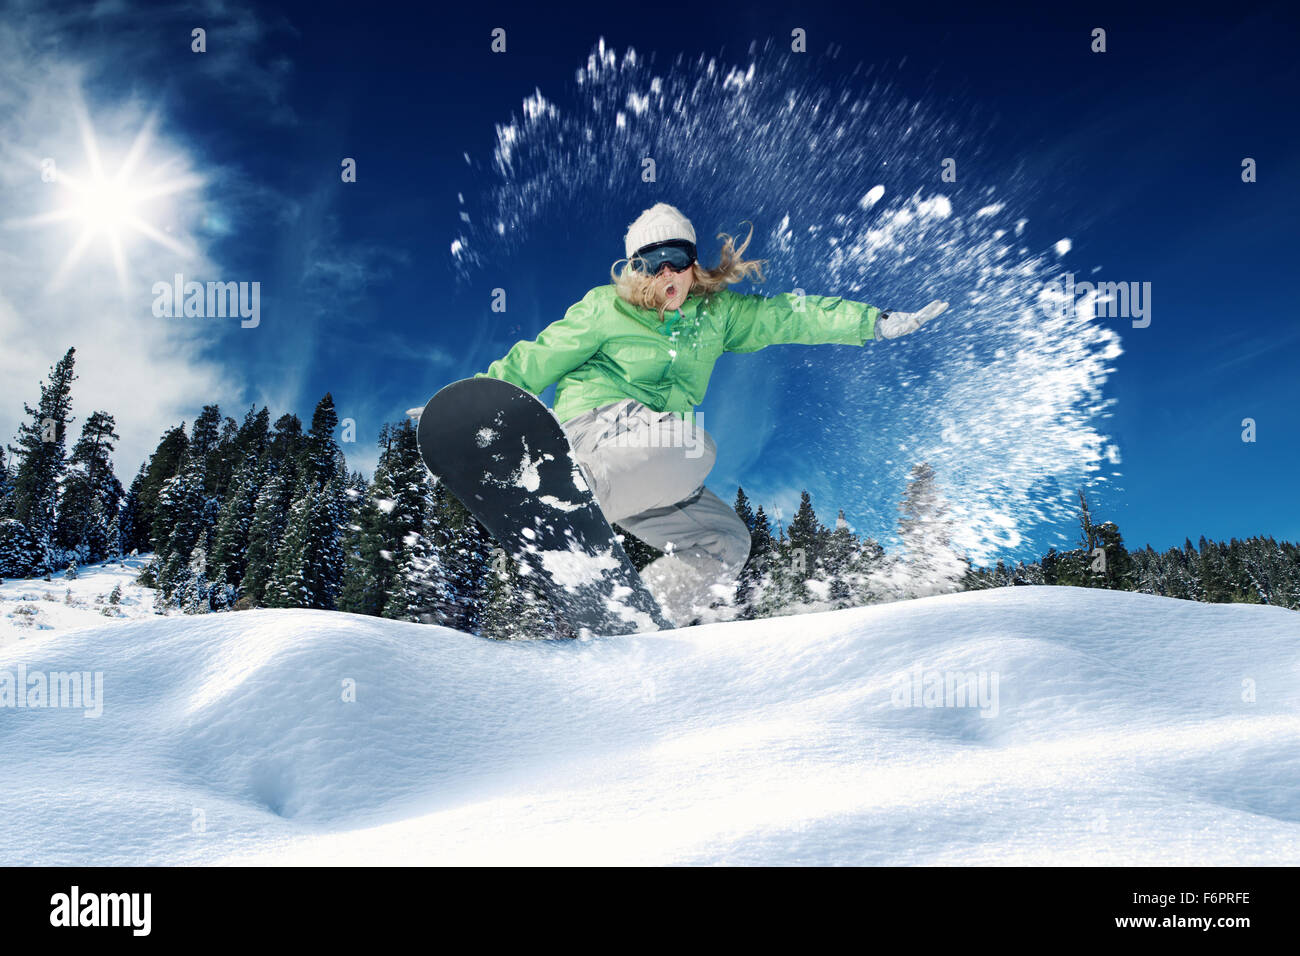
{"x":1134,"y":155}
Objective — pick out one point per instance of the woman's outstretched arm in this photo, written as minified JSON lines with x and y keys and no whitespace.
{"x":560,"y":347}
{"x":756,"y":321}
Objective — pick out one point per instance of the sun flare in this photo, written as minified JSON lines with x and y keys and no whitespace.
{"x":112,"y":208}
{"x":104,"y":206}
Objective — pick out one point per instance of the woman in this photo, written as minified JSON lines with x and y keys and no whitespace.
{"x":628,"y":377}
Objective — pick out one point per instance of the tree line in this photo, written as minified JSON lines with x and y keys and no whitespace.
{"x":255,"y":513}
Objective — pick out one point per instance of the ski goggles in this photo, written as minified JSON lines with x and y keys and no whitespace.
{"x":679,"y":254}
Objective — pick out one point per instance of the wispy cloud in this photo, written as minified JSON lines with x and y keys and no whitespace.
{"x":152,"y":372}
{"x":118,"y":40}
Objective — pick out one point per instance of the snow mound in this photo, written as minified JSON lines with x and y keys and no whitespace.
{"x":1124,"y":729}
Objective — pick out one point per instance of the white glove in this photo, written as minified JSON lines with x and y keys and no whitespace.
{"x":890,"y":325}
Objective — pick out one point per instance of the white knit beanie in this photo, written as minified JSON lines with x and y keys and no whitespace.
{"x":659,"y":223}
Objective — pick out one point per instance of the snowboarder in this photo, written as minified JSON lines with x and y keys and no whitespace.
{"x":628,"y":377}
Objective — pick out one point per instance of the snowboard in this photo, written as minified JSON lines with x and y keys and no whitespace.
{"x":503,"y":454}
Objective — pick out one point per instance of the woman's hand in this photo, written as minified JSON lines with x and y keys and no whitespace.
{"x":890,"y":325}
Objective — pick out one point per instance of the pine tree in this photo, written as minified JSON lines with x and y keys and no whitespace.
{"x":804,"y":553}
{"x":1083,"y":567}
{"x":309,"y":563}
{"x":6,"y":485}
{"x":234,"y":525}
{"x":286,"y":443}
{"x":20,"y":554}
{"x":1214,"y":581}
{"x":1051,"y":565}
{"x":1119,"y":573}
{"x":931,"y":563}
{"x":806,"y":532}
{"x":221,"y":462}
{"x":419,"y":589}
{"x":269,"y":518}
{"x":40,"y":455}
{"x":180,"y":523}
{"x":320,"y":455}
{"x":287,"y":586}
{"x":254,"y":435}
{"x":757,"y":565}
{"x":164,"y":463}
{"x":867,"y":574}
{"x":463,"y":548}
{"x":193,"y":596}
{"x":91,"y":495}
{"x":222,"y":594}
{"x":743,"y":509}
{"x":368,"y":565}
{"x":205,"y":432}
{"x":390,"y":520}
{"x":841,"y":548}
{"x":514,"y":608}
{"x":128,"y":518}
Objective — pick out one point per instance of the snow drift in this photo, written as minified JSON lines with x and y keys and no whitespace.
{"x":1126,"y":729}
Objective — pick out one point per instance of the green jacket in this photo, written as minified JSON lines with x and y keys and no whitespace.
{"x":606,"y":350}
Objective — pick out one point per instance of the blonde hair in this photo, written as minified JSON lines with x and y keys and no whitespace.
{"x":639,"y":289}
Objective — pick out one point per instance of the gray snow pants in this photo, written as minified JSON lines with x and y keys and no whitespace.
{"x":647,"y":470}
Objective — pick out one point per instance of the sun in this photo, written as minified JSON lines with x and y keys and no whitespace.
{"x":104,"y":206}
{"x":112,"y":208}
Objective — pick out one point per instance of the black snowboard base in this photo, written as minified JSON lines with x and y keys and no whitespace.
{"x":503,"y":454}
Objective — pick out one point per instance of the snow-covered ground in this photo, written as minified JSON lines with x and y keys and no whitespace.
{"x":32,"y":607}
{"x":1124,"y":729}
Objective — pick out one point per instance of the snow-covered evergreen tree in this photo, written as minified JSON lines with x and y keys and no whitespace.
{"x":839,"y":553}
{"x":264,"y":536}
{"x":164,"y":463}
{"x":193,"y":595}
{"x":807,"y":541}
{"x":182,"y":514}
{"x":20,"y":554}
{"x":756,"y":565}
{"x":91,"y":495}
{"x":309,"y":564}
{"x":6,"y":484}
{"x":514,"y":608}
{"x":420,"y":589}
{"x":40,"y":458}
{"x":390,"y":518}
{"x":930,"y":562}
{"x":222,"y":594}
{"x":234,"y":525}
{"x":463,"y":548}
{"x":368,"y":566}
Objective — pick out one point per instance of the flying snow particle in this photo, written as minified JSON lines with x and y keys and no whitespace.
{"x":574,"y":568}
{"x":872,"y":197}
